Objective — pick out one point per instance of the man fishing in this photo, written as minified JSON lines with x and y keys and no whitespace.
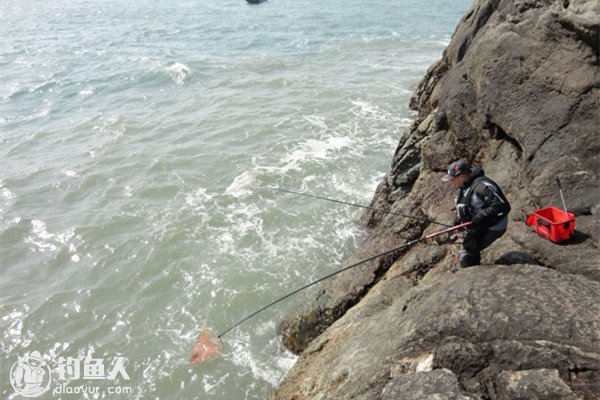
{"x":480,"y":201}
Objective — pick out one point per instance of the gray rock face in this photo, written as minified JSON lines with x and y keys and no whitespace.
{"x":438,"y":384}
{"x":538,"y":384}
{"x":482,"y":324}
{"x":518,"y":92}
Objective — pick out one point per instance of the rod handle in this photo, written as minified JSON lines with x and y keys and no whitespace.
{"x":558,"y":183}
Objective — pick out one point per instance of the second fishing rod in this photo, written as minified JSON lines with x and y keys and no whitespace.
{"x":379,"y":210}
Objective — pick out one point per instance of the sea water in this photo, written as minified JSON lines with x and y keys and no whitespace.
{"x":138,"y":142}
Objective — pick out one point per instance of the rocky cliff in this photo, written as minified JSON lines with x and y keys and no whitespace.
{"x":517,"y":92}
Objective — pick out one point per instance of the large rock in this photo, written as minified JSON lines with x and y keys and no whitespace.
{"x":437,"y":384}
{"x":517,"y":91}
{"x":483,"y":324}
{"x":538,"y":384}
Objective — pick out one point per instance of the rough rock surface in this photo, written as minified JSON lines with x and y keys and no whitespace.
{"x":517,"y":91}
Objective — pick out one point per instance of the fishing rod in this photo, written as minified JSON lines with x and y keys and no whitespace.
{"x":562,"y":197}
{"x":356,"y":205}
{"x":401,"y":247}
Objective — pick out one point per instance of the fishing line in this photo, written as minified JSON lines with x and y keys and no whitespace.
{"x":380,"y":210}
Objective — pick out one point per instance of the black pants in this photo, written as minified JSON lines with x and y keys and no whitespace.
{"x":474,"y":242}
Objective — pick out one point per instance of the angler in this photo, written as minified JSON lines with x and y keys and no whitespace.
{"x":480,"y":201}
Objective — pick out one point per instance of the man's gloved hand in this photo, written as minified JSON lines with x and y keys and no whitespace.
{"x":477,"y":220}
{"x":442,"y":239}
{"x":455,"y":237}
{"x":430,"y":242}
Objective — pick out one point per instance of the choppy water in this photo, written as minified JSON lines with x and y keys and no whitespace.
{"x":135,"y":139}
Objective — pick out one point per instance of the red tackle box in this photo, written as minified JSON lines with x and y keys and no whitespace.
{"x":552,"y":223}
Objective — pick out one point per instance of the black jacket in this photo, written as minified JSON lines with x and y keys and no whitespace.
{"x":481,"y":201}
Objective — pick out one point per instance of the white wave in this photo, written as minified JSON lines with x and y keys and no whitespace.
{"x":313,"y":149}
{"x":70,"y":173}
{"x":179,"y":72}
{"x":11,"y":222}
{"x":443,"y":42}
{"x":365,"y":109}
{"x":243,"y":183}
{"x":7,"y":194}
{"x":87,"y":91}
{"x":271,"y":373}
{"x":406,"y":122}
{"x":198,"y":198}
{"x":239,"y":186}
{"x":39,"y":228}
{"x":211,"y":382}
{"x":242,"y":220}
{"x":357,"y":193}
{"x":316,"y":121}
{"x":43,"y":241}
{"x":307,"y":151}
{"x":227,"y":243}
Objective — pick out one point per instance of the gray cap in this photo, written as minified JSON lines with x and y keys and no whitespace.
{"x":455,"y":169}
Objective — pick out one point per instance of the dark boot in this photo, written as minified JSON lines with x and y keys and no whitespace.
{"x":469,"y":259}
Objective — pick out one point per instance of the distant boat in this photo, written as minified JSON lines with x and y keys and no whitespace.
{"x":255,"y":1}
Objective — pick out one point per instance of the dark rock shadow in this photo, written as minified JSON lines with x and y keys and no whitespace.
{"x":517,"y":257}
{"x":578,"y":238}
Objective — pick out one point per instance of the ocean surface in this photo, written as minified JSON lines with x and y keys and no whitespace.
{"x":138,"y":141}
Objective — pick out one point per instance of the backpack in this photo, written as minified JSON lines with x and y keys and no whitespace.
{"x":463,"y":203}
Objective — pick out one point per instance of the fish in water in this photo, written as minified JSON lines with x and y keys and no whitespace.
{"x":205,"y":348}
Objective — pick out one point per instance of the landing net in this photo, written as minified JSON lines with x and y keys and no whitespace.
{"x":208,"y":345}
